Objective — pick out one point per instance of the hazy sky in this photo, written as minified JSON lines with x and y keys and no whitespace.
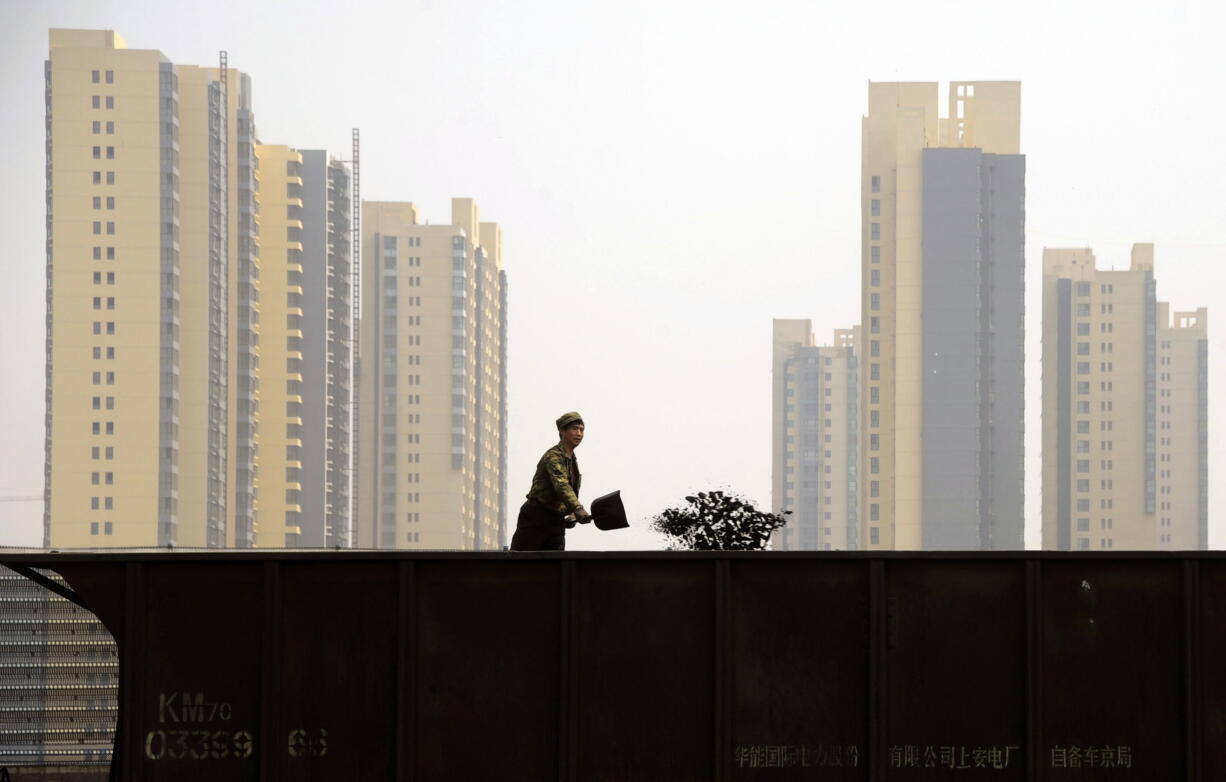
{"x":669,"y":177}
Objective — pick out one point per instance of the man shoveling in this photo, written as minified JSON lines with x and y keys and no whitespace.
{"x":554,"y":494}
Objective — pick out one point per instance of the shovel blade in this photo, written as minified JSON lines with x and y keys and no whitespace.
{"x":608,"y":512}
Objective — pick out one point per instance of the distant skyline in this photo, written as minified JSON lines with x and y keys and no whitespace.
{"x":669,"y":178}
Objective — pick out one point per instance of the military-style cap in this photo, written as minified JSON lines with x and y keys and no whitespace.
{"x":566,"y":419}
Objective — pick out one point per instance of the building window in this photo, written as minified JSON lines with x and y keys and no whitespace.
{"x":874,"y":254}
{"x":110,"y":101}
{"x":93,"y":76}
{"x":875,"y":207}
{"x":874,"y":231}
{"x":874,"y":277}
{"x":875,"y":181}
{"x":110,"y":127}
{"x":874,"y":301}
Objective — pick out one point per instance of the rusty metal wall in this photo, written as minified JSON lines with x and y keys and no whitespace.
{"x":668,"y":666}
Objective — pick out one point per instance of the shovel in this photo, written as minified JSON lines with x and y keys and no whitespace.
{"x":608,"y":513}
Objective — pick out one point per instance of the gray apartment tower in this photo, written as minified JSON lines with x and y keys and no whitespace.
{"x":974,"y":207}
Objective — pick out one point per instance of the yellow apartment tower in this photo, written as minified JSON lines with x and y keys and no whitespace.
{"x":942,"y":216}
{"x":432,"y":381}
{"x":1125,"y":409}
{"x":146,"y":176}
{"x":814,"y":436}
{"x":304,"y":370}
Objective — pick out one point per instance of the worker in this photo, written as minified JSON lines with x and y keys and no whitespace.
{"x":554,"y":495}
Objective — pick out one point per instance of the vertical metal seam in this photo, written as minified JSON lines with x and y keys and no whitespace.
{"x":1034,"y":670}
{"x":565,"y":690}
{"x":1193,"y":704}
{"x":876,"y":671}
{"x":723,"y":669}
{"x":270,"y":670}
{"x":406,"y":673}
{"x":136,"y":632}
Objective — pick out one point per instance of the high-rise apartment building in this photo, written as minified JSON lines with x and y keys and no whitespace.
{"x":143,"y":191}
{"x":303,"y":365}
{"x":59,"y":699}
{"x":814,"y":436}
{"x":942,"y":205}
{"x":243,"y":332}
{"x":432,"y":433}
{"x":327,"y":351}
{"x":1125,"y":409}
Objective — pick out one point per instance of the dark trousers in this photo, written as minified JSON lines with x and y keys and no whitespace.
{"x":539,"y":529}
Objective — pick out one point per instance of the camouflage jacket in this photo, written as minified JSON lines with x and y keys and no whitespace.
{"x":556,"y":482}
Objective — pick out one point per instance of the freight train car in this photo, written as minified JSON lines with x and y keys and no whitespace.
{"x":661,"y":666}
